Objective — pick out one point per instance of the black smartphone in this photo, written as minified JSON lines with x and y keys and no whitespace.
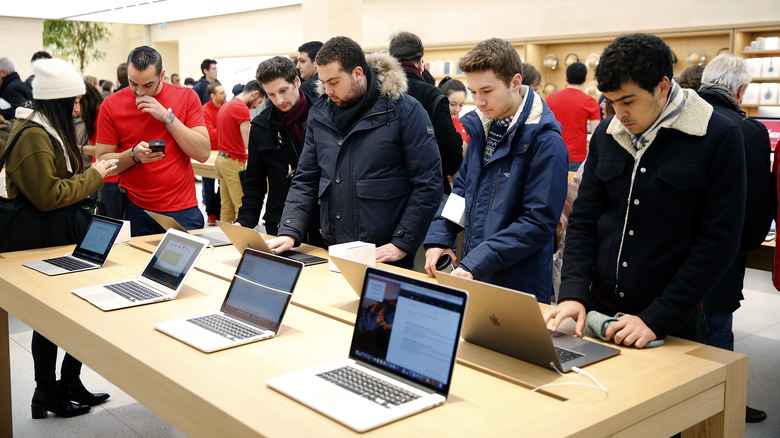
{"x":157,"y":145}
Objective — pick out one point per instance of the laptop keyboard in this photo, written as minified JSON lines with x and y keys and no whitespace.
{"x":566,"y":355}
{"x":68,"y":263}
{"x":225,"y":327}
{"x":368,"y":386}
{"x":133,"y":291}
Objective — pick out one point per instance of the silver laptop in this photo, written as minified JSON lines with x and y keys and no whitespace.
{"x":91,"y":252}
{"x":253,"y":308}
{"x":215,"y":238}
{"x":160,"y":280}
{"x":243,"y":238}
{"x":400,"y":360}
{"x":511,"y":323}
{"x":354,"y":272}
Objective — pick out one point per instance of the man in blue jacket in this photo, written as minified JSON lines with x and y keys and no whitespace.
{"x":513,"y":179}
{"x":369,"y":159}
{"x":659,"y":213}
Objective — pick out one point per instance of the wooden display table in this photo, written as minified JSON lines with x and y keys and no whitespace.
{"x":654,"y":392}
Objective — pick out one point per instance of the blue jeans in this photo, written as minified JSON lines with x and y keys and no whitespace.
{"x":719,"y":331}
{"x":141,"y":224}
{"x":211,"y":197}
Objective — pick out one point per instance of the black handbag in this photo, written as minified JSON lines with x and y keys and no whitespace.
{"x":23,"y":226}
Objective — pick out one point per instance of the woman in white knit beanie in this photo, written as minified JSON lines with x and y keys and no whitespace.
{"x":45,"y":166}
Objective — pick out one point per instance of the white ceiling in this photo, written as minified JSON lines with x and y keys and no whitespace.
{"x":134,"y":12}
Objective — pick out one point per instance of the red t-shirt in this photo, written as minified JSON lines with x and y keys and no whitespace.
{"x":167,"y":184}
{"x":231,"y":115}
{"x":573,"y":109}
{"x":461,"y":130}
{"x":210,"y":112}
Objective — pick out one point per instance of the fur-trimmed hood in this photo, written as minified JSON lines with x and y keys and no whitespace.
{"x":389,"y":72}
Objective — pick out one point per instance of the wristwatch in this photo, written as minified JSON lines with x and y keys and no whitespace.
{"x":171,"y":116}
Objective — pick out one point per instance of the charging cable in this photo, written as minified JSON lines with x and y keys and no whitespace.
{"x":578,"y":371}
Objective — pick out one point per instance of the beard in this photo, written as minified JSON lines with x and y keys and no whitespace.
{"x":353,"y":97}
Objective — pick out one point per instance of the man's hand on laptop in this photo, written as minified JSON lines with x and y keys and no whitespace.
{"x":460,"y":272}
{"x":389,"y":253}
{"x":432,"y":256}
{"x":567,"y":309}
{"x":280,"y":244}
{"x":630,"y":330}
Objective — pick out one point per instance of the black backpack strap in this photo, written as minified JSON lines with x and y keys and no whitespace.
{"x":13,"y":142}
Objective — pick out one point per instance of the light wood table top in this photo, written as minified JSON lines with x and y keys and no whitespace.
{"x":654,"y":392}
{"x":206,"y":169}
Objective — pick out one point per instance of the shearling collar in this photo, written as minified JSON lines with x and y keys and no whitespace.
{"x":534,"y":117}
{"x":388,"y":71}
{"x":693,"y":120}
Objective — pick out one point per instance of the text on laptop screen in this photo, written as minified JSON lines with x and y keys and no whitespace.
{"x":97,"y":240}
{"x":172,"y":260}
{"x":408,"y":328}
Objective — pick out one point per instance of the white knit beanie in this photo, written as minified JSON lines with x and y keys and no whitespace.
{"x":56,"y":79}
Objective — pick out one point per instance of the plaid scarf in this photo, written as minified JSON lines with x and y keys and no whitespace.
{"x":670,"y":113}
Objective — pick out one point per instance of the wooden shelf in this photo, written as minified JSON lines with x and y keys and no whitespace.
{"x":754,"y":53}
{"x":761,"y":80}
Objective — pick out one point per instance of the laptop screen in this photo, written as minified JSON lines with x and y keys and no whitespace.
{"x":262,"y":288}
{"x":172,"y":260}
{"x":96,"y":242}
{"x":409,"y":328}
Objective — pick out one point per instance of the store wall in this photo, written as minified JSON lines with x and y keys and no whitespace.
{"x":437,"y":22}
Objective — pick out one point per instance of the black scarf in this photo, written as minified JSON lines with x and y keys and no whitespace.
{"x":345,"y":118}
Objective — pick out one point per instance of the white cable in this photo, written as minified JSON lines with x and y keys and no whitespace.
{"x":578,"y":371}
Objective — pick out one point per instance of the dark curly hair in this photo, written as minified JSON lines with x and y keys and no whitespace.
{"x":344,"y":50}
{"x":576,"y":73}
{"x":638,"y":57}
{"x":275,"y":68}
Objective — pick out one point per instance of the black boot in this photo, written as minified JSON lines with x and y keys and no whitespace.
{"x":77,"y":393}
{"x":55,"y":401}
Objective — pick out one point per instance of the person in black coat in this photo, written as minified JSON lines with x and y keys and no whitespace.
{"x":12,"y":90}
{"x":275,"y":143}
{"x":723,"y":83}
{"x":407,"y":48}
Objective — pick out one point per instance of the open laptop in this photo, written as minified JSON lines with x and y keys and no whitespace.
{"x":404,"y":342}
{"x":354,"y":272}
{"x":243,"y":238}
{"x":511,"y":323}
{"x":160,"y":280}
{"x":91,"y":252}
{"x":253,"y":308}
{"x":215,"y":238}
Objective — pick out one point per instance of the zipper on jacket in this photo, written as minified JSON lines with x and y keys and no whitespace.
{"x":365,"y":117}
{"x":498,"y":184}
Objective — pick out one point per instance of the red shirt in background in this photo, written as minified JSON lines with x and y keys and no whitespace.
{"x":210,"y":112}
{"x":231,"y":115}
{"x":574,"y":109}
{"x":461,"y":130}
{"x":167,"y":184}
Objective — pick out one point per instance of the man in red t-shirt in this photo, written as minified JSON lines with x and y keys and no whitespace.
{"x":211,"y":197}
{"x":151,"y":110}
{"x":233,"y":138}
{"x":573,"y":109}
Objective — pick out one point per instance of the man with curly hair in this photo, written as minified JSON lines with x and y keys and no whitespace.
{"x":659,"y":214}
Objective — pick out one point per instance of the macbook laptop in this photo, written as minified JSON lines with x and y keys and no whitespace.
{"x":243,"y":238}
{"x":511,"y":323}
{"x":400,"y":360}
{"x":160,"y":280}
{"x":253,"y":308}
{"x":91,"y":252}
{"x":167,"y":222}
{"x":354,"y":272}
